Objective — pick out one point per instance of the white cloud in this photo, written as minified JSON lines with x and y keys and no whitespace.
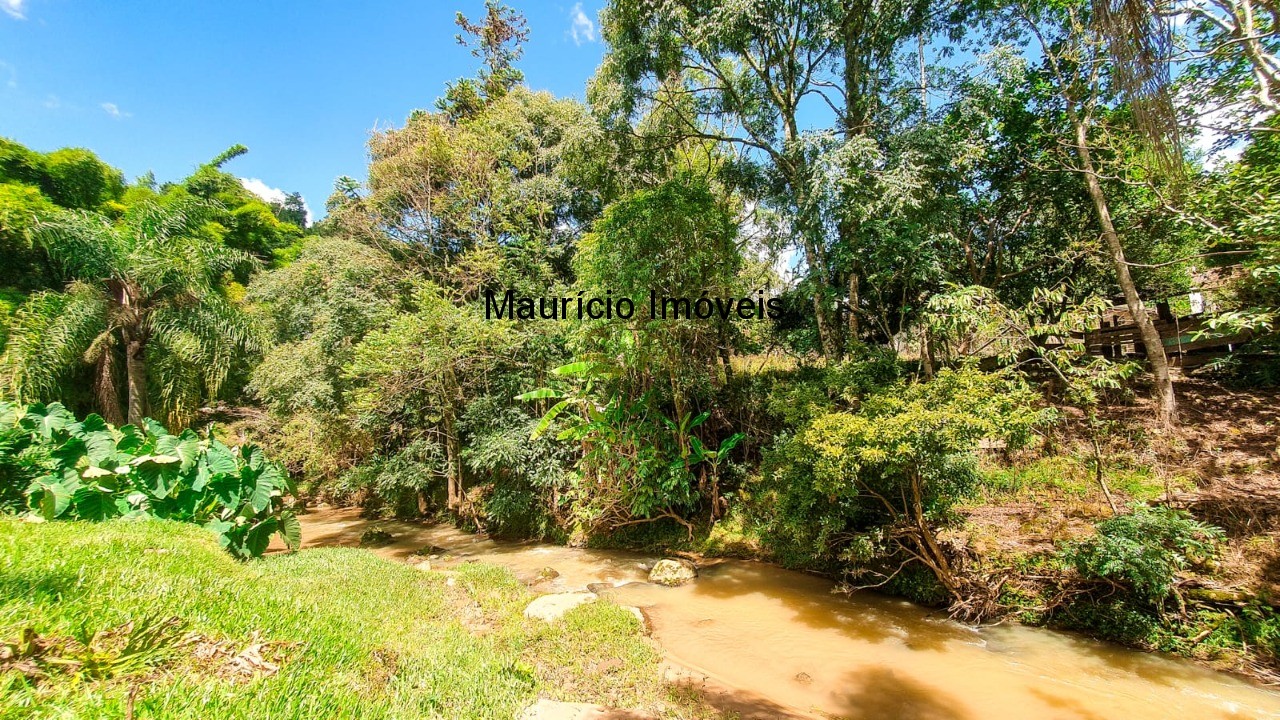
{"x":13,"y":8}
{"x":114,"y":111}
{"x":9,"y":72}
{"x":581,"y":29}
{"x":270,"y":194}
{"x":52,"y":102}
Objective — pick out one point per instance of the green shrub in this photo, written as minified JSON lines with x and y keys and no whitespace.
{"x":90,"y":470}
{"x":850,"y":472}
{"x":1144,"y":550}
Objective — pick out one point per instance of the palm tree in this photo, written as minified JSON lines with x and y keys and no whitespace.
{"x":145,"y":292}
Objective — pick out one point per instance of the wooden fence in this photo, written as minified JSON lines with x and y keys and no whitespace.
{"x":1188,"y":340}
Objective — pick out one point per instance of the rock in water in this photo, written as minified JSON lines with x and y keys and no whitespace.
{"x":376,"y":537}
{"x":551,"y":607}
{"x":672,"y":572}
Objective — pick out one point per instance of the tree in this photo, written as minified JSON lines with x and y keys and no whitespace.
{"x":293,"y":210}
{"x":145,"y":290}
{"x":744,"y":75}
{"x":420,"y":372}
{"x":439,"y":188}
{"x":1076,"y":63}
{"x":497,"y":41}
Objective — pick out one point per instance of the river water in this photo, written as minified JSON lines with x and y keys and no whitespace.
{"x":772,"y":643}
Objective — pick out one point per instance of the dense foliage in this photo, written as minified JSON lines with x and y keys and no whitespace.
{"x":941,"y":206}
{"x":1145,"y":550}
{"x":63,"y":469}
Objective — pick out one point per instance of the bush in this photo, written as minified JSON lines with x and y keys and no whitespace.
{"x":1144,"y":550}
{"x":90,"y":470}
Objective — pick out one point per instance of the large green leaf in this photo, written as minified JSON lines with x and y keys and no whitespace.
{"x":185,"y":447}
{"x":92,"y":503}
{"x":132,"y":440}
{"x":154,"y":428}
{"x":582,"y":367}
{"x":290,"y":530}
{"x":548,"y":418}
{"x":220,"y":459}
{"x":158,"y":475}
{"x":730,"y":443}
{"x":68,"y":453}
{"x":46,"y":421}
{"x":55,"y":498}
{"x":259,"y":537}
{"x":202,"y":478}
{"x":226,"y":488}
{"x":99,"y":442}
{"x":263,"y":489}
{"x":539,"y":394}
{"x":253,"y":456}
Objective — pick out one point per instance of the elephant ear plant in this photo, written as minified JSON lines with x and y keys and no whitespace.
{"x":90,"y":470}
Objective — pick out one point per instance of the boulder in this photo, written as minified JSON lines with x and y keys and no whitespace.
{"x":672,"y":572}
{"x":551,"y":607}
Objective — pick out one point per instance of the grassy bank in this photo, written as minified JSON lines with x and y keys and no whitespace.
{"x":332,"y":633}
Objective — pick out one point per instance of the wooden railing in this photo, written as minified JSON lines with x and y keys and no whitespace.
{"x":1188,"y":341}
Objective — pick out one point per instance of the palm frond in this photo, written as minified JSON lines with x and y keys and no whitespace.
{"x":82,"y":245}
{"x":211,"y":336}
{"x":50,"y":335}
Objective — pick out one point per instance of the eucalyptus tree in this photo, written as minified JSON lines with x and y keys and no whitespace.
{"x":144,"y":307}
{"x":1079,"y":69}
{"x":747,"y":75}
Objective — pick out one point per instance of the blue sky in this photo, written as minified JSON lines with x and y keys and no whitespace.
{"x":165,"y":86}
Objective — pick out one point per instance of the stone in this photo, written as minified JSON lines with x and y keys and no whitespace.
{"x":551,"y":607}
{"x":672,"y":572}
{"x":547,"y":574}
{"x":376,"y":537}
{"x":554,"y":710}
{"x":424,"y":566}
{"x":432,"y":552}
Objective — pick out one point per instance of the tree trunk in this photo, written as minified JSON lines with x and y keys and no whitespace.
{"x":453,"y":461}
{"x":136,"y":373}
{"x":857,"y":111}
{"x":851,"y":329}
{"x":1151,"y":342}
{"x":104,"y":388}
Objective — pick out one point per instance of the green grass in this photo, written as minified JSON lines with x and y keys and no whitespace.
{"x":1074,"y":477}
{"x":355,"y":636}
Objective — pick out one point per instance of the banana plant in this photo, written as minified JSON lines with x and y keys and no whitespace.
{"x":714,"y":458}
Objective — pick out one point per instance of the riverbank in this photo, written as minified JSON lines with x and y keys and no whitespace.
{"x":154,"y":620}
{"x":777,"y":642}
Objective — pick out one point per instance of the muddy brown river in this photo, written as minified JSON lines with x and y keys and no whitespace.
{"x":776,"y":643}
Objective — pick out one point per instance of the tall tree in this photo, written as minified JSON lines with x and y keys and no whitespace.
{"x":145,"y":290}
{"x":498,"y":41}
{"x":1074,"y":46}
{"x":745,"y":75}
